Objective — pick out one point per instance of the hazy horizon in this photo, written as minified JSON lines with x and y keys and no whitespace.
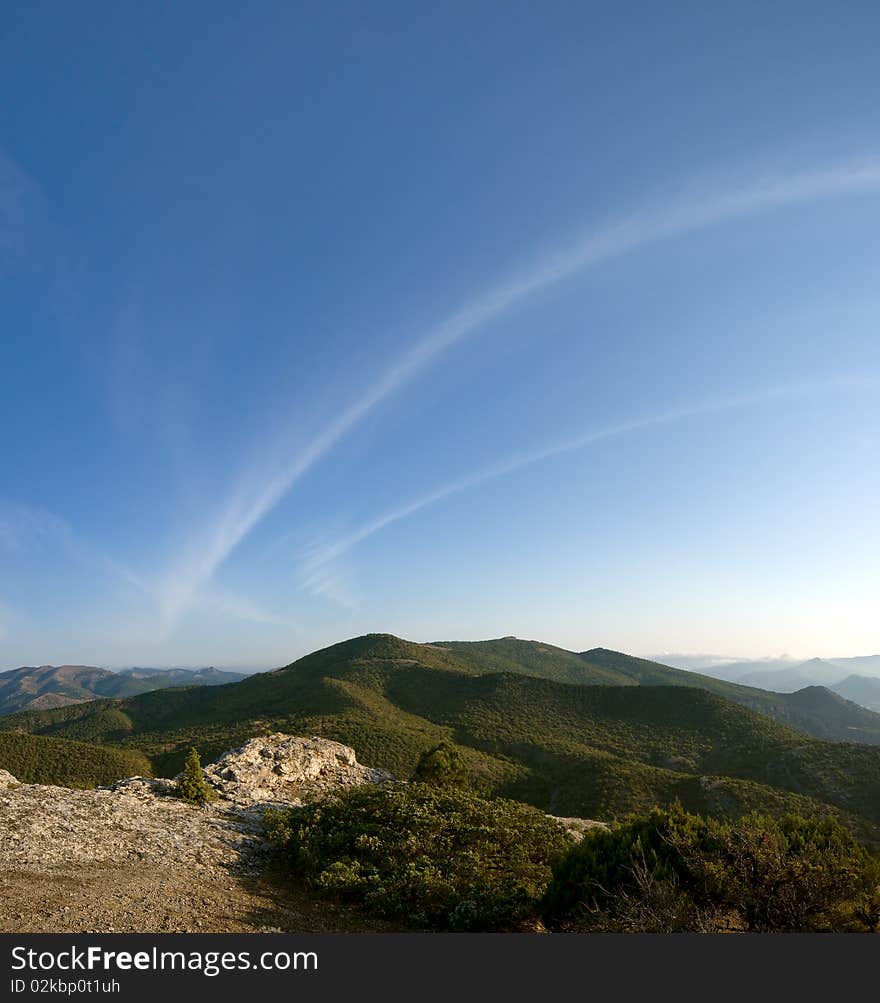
{"x":441,"y":322}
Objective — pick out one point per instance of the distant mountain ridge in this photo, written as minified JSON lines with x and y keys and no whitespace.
{"x":208,"y":676}
{"x":860,"y":665}
{"x":863,"y":690}
{"x":47,"y":686}
{"x":815,"y":672}
{"x":735,"y":668}
{"x":855,"y":679}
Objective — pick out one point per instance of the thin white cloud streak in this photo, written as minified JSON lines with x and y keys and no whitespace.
{"x":6,"y":618}
{"x":318,"y":563}
{"x":327,"y":580}
{"x":255,"y":496}
{"x":15,"y":190}
{"x":239,"y":607}
{"x":24,"y":527}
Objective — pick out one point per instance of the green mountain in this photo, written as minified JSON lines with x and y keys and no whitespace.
{"x":37,"y":759}
{"x":819,"y":712}
{"x":621,"y":737}
{"x":533,"y":658}
{"x":814,"y":710}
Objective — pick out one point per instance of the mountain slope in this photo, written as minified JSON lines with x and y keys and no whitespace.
{"x":37,"y":759}
{"x":510,"y":654}
{"x":820,"y":714}
{"x":823,"y":716}
{"x":47,"y":686}
{"x":592,"y":750}
{"x":863,"y":690}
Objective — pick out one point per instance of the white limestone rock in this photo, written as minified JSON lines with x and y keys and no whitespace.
{"x":288,"y":769}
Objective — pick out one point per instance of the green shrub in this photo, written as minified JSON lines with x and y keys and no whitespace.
{"x":437,"y":858}
{"x":192,"y":785}
{"x":442,"y":766}
{"x":673,"y":871}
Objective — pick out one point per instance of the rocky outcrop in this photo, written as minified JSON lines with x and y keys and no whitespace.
{"x":577,"y":828}
{"x":7,"y":780}
{"x":140,"y":820}
{"x":288,"y":769}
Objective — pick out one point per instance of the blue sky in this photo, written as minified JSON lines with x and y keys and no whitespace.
{"x":457,"y":320}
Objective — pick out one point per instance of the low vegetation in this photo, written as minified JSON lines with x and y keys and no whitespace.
{"x":672,"y":871}
{"x":36,"y":759}
{"x":436,"y":858}
{"x":441,"y":858}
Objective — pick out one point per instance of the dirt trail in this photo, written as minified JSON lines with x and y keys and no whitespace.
{"x":126,"y":900}
{"x":130,"y":861}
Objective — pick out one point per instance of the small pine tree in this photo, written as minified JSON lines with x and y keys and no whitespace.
{"x":442,"y":766}
{"x":192,"y":786}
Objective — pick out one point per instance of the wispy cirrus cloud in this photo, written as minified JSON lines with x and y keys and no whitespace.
{"x":28,"y":532}
{"x":320,"y":562}
{"x":17,"y":195}
{"x":239,"y":607}
{"x":323,"y":575}
{"x":255,"y":493}
{"x":6,"y":619}
{"x":25,"y":528}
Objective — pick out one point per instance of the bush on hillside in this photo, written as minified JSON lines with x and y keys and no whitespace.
{"x":437,"y":858}
{"x":672,"y":871}
{"x":192,"y":785}
{"x":442,"y":766}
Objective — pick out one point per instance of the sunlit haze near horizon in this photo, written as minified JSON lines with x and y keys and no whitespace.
{"x":451,"y":322}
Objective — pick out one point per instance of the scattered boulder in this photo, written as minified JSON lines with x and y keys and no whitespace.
{"x":7,"y":780}
{"x":145,"y":787}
